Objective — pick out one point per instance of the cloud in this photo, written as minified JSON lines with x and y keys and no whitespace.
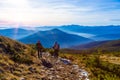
{"x":115,"y":20}
{"x":58,"y":12}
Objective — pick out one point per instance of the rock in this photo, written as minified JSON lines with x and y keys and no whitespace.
{"x":84,"y":74}
{"x":22,"y":79}
{"x":57,"y":76}
{"x":75,"y":67}
{"x":65,"y":61}
{"x":33,"y":70}
{"x":52,"y":69}
{"x":51,"y":77}
{"x":57,"y":69}
{"x":63,"y":69}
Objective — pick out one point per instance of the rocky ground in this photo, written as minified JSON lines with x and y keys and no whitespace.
{"x":60,"y":69}
{"x":46,"y":68}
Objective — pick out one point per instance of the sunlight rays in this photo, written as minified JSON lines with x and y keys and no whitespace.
{"x":59,"y":12}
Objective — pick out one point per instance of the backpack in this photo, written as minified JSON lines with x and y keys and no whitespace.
{"x":56,"y":46}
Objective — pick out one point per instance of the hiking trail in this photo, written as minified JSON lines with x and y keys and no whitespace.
{"x":60,"y":69}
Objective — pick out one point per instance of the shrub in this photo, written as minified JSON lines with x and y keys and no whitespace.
{"x":22,"y":58}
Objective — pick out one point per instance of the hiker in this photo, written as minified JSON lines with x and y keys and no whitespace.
{"x":56,"y":48}
{"x":39,"y":49}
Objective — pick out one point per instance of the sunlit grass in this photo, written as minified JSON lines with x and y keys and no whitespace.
{"x":98,"y":65}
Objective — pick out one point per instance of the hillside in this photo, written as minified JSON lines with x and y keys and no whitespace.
{"x":10,"y":46}
{"x":102,"y":59}
{"x":102,"y":45}
{"x":89,"y":45}
{"x":101,"y":65}
{"x":12,"y":54}
{"x":113,"y":45}
{"x":48,"y":38}
{"x":20,"y":62}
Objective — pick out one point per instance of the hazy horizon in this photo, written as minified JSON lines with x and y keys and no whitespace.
{"x":34,"y":13}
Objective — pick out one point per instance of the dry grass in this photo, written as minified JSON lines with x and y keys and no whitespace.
{"x":110,"y":59}
{"x":98,"y":65}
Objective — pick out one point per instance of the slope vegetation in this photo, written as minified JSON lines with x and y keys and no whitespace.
{"x":20,"y":62}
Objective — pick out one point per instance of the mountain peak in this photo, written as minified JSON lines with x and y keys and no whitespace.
{"x":56,"y":30}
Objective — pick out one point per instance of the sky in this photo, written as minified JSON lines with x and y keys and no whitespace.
{"x":59,"y":12}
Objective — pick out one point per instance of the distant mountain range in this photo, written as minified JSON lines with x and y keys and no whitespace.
{"x":48,"y":38}
{"x":96,"y":30}
{"x":15,"y":33}
{"x":67,"y":35}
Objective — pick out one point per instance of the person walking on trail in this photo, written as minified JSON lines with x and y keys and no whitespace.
{"x":39,"y":49}
{"x":56,"y":48}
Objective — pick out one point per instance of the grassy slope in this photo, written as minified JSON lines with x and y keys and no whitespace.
{"x":101,"y":66}
{"x":16,"y":59}
{"x":15,"y":65}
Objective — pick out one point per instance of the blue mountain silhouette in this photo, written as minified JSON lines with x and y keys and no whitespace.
{"x":48,"y":38}
{"x":14,"y":33}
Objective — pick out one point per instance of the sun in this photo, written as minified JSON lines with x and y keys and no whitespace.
{"x":17,"y":11}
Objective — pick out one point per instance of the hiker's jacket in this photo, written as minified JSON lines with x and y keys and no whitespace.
{"x":39,"y":46}
{"x":56,"y":47}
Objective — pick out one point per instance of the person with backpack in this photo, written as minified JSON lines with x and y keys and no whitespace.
{"x":39,"y":49}
{"x":56,"y":48}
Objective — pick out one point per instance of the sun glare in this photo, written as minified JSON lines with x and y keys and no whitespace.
{"x":17,"y":3}
{"x":16,"y":11}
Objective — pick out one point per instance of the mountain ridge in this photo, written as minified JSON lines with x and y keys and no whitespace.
{"x":108,"y":45}
{"x":50,"y":36}
{"x":14,"y":33}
